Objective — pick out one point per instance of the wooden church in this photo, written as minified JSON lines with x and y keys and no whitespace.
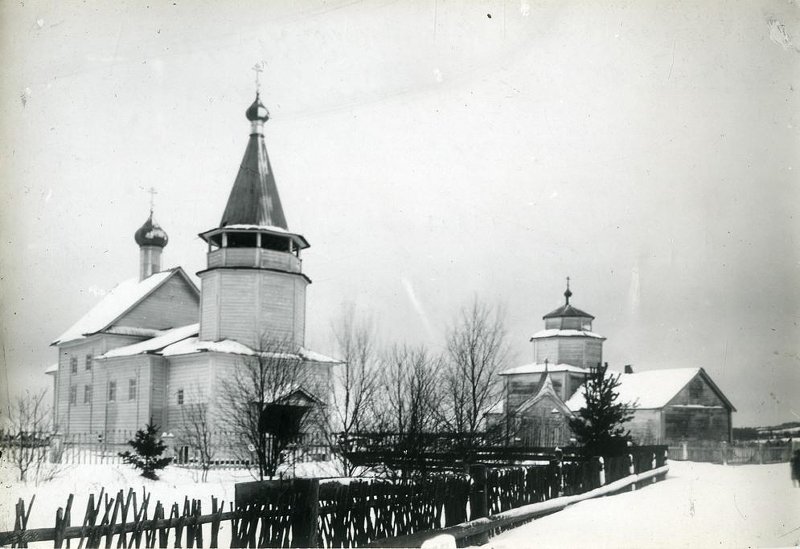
{"x":669,"y":405}
{"x":156,"y":344}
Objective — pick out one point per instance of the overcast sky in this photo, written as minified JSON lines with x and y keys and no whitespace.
{"x":430,"y":152}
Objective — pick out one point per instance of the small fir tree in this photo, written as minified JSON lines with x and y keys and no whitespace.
{"x":599,"y":424}
{"x":147,"y":450}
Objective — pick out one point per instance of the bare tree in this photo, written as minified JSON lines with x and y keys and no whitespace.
{"x":265,"y":385}
{"x":355,"y":381}
{"x":197,"y":432}
{"x":26,"y":442}
{"x":477,"y":350}
{"x":410,"y":404}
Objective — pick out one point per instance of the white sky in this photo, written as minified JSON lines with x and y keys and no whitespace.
{"x":429,"y":153}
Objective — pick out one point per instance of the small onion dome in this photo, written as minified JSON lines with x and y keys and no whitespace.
{"x":257,"y":111}
{"x":150,"y":234}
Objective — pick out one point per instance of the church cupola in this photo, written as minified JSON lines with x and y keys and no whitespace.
{"x":567,"y":337}
{"x":253,"y":257}
{"x":151,"y":239}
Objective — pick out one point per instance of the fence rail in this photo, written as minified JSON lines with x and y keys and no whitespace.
{"x":303,"y":512}
{"x":732,"y":454}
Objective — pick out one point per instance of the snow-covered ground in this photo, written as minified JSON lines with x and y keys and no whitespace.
{"x":699,"y":505}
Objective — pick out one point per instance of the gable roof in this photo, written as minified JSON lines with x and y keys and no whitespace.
{"x":116,"y":303}
{"x":651,"y":390}
{"x":546,"y":390}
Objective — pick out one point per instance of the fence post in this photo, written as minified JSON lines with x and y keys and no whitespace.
{"x":478,"y":499}
{"x":601,"y":460}
{"x":724,"y":450}
{"x":684,"y":447}
{"x":631,"y":470}
{"x":306,"y":513}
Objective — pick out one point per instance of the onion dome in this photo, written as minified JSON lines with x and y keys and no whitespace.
{"x":151,"y":234}
{"x":257,"y":111}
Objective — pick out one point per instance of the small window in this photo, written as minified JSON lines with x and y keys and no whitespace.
{"x":87,"y":394}
{"x":89,"y":361}
{"x":73,"y":364}
{"x":73,"y":394}
{"x":180,"y":397}
{"x":112,"y":391}
{"x":132,"y":389}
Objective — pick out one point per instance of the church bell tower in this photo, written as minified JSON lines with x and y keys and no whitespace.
{"x":253,"y":289}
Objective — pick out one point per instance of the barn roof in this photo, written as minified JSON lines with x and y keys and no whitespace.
{"x":121,"y":299}
{"x":651,"y":390}
{"x":254,"y":198}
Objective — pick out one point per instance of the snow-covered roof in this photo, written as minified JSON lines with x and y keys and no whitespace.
{"x":115,"y":303}
{"x":155,"y":344}
{"x":313,"y":356}
{"x":648,"y":390}
{"x":52,"y":369}
{"x":539,"y":369}
{"x":565,"y":333}
{"x":191,"y":345}
{"x":246,"y":227}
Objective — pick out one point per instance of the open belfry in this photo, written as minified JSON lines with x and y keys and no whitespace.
{"x":156,"y":344}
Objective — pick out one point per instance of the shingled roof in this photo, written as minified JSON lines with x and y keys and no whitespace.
{"x":567,"y":310}
{"x":254,"y":198}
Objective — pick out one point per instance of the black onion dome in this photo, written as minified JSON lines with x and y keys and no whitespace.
{"x":257,"y":111}
{"x":150,"y":234}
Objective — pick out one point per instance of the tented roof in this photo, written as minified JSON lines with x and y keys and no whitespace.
{"x":254,"y":197}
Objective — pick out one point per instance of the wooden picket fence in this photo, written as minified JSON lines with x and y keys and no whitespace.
{"x":305,"y":513}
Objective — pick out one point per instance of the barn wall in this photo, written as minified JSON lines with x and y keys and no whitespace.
{"x":171,"y":305}
{"x":645,"y":427}
{"x":192,"y":375}
{"x":697,"y":413}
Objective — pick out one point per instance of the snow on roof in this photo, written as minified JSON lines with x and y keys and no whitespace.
{"x":565,"y":333}
{"x":194,"y":345}
{"x":113,"y":305}
{"x":316,"y":357}
{"x":539,"y":369}
{"x":648,"y":390}
{"x":155,"y":344}
{"x":52,"y":369}
{"x":258,"y":227}
{"x":134,"y":331}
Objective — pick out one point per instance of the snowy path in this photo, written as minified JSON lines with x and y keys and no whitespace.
{"x":699,"y":505}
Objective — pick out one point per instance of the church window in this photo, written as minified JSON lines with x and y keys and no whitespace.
{"x":131,"y":389}
{"x":180,"y":397}
{"x":112,"y":391}
{"x":87,"y":394}
{"x":89,"y":361}
{"x":73,"y":394}
{"x":73,"y":364}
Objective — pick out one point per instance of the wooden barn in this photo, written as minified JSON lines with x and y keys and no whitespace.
{"x":673,"y":405}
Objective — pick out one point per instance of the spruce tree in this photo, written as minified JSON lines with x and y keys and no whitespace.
{"x":147,"y":450}
{"x":599,"y":425}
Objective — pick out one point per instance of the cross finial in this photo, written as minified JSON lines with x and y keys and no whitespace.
{"x":153,"y":192}
{"x":258,"y":68}
{"x":568,"y":293}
